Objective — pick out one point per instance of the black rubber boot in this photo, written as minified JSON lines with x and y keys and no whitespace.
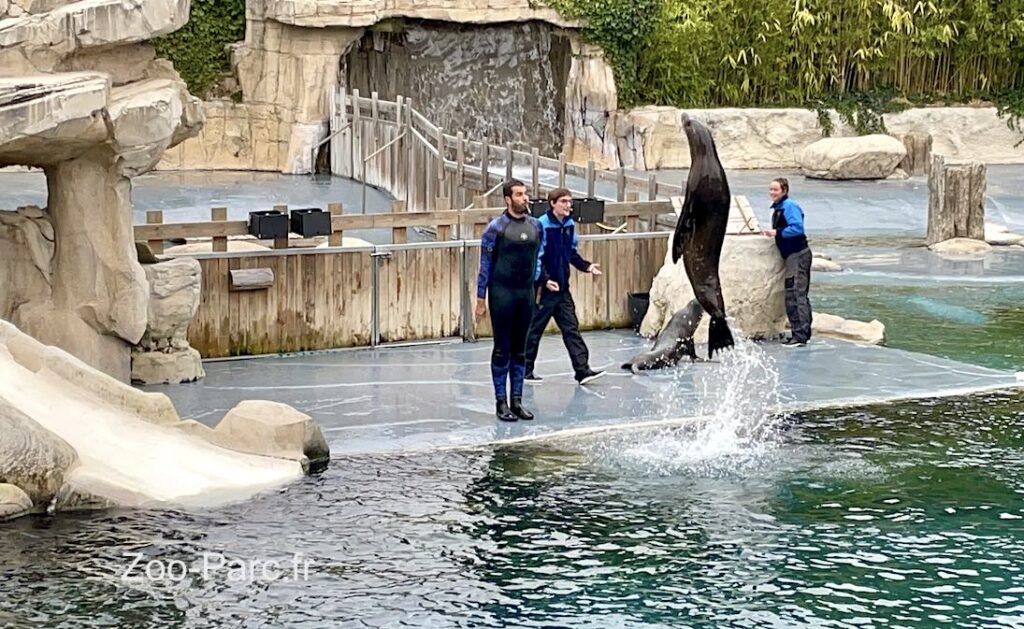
{"x":517,"y":408}
{"x":504,"y":413}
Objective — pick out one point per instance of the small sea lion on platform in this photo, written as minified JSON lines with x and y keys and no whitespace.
{"x":674,"y":342}
{"x":700,"y":230}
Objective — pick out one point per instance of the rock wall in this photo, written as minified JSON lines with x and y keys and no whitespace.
{"x":292,"y":59}
{"x":651,"y":137}
{"x":69,"y":270}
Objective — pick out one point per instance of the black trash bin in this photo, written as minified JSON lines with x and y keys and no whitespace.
{"x":638,"y":303}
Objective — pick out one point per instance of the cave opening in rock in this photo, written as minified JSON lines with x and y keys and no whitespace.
{"x":503,"y":82}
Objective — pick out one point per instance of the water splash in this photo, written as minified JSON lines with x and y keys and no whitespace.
{"x":734,"y":428}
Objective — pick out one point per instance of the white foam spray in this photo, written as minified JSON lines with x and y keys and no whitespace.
{"x":734,"y":427}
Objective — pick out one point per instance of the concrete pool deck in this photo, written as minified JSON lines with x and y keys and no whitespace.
{"x":397,"y":399}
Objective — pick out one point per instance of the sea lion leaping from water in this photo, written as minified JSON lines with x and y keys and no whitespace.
{"x":701,"y":230}
{"x":674,"y":342}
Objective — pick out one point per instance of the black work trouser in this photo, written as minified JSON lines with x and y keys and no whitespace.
{"x":560,"y":306}
{"x":798,"y":283}
{"x":510,"y":310}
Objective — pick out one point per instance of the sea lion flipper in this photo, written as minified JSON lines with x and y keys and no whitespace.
{"x":719,"y":336}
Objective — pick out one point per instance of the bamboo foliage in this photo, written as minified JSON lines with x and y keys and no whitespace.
{"x":707,"y":53}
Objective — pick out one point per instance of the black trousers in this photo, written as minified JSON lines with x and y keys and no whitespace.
{"x":560,"y":306}
{"x":510,"y":320}
{"x":798,"y":283}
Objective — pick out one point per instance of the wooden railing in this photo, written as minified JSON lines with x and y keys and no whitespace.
{"x":391,"y":145}
{"x":365,"y":296}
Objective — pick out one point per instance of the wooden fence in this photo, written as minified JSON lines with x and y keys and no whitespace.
{"x":350,"y":297}
{"x":391,"y":145}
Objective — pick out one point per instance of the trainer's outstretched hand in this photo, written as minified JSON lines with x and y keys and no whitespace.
{"x":594,"y":269}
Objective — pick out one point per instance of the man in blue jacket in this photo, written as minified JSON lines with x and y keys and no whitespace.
{"x":559,"y":251}
{"x":788,"y":231}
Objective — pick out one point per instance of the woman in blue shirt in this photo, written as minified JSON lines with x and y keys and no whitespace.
{"x":788,"y":231}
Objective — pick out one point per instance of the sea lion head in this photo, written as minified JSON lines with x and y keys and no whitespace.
{"x":698,"y":137}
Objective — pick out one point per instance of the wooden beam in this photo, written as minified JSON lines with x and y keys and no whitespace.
{"x":250,"y":279}
{"x":219,"y":215}
{"x":337,"y":235}
{"x":155,"y":217}
{"x":282,"y":243}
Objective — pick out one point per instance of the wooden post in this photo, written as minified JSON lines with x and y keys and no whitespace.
{"x":620,"y":185}
{"x":509,"y":159}
{"x":217,"y":215}
{"x":155,"y":217}
{"x":485,"y":165}
{"x":956,"y":201}
{"x":561,"y":170}
{"x":358,"y":168}
{"x":632,"y":222}
{"x":397,"y":149}
{"x":479,"y":202}
{"x":398,"y":234}
{"x":337,"y":236}
{"x":652,"y":188}
{"x":348,"y":134}
{"x":919,"y":152}
{"x":282,"y":243}
{"x":460,"y":168}
{"x":440,"y":158}
{"x":590,"y":179}
{"x":535,"y":171}
{"x":411,"y":176}
{"x":375,"y":136}
{"x":444,"y":232}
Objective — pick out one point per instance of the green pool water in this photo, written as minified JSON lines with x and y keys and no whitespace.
{"x":905,"y":515}
{"x":971,"y":311}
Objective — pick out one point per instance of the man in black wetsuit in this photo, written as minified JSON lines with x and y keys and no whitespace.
{"x":509,"y":251}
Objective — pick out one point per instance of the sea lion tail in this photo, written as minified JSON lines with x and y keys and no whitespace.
{"x":719,"y":336}
{"x":627,"y":366}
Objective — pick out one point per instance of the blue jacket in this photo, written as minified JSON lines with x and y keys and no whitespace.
{"x":558,"y":250}
{"x":788,"y":221}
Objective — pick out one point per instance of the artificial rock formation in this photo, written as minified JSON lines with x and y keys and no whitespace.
{"x":651,"y":137}
{"x":163,"y":356}
{"x":289,"y":64}
{"x":90,"y":130}
{"x":76,"y":438}
{"x":870,"y":333}
{"x":863,"y":157}
{"x":751,"y":272}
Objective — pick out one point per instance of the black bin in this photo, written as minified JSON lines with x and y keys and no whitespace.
{"x":310,"y":221}
{"x":638,"y":304}
{"x":538,"y":207}
{"x":268,"y":224}
{"x":588,"y":210}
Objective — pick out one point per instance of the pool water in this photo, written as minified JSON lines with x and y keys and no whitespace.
{"x":896,"y":515}
{"x":967,"y":310}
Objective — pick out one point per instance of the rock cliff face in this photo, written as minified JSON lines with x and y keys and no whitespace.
{"x":297,"y":52}
{"x":82,"y":97}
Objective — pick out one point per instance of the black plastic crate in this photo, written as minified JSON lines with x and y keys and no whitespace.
{"x":268,"y":224}
{"x":588,"y":210}
{"x":311,"y":221}
{"x":538,"y":207}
